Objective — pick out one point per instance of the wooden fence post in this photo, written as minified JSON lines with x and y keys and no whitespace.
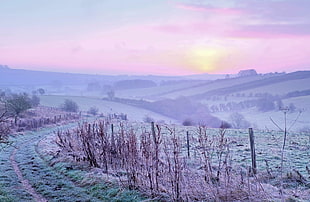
{"x":153,"y":131}
{"x":187,"y":143}
{"x":113,"y":138}
{"x":252,"y":145}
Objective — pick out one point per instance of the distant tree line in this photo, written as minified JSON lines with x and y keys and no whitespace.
{"x":120,"y":85}
{"x":265,"y":103}
{"x":133,"y":84}
{"x":297,"y":93}
{"x":182,"y":109}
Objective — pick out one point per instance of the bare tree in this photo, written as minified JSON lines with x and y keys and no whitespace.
{"x":111,"y":94}
{"x":285,"y":130}
{"x":238,"y":121}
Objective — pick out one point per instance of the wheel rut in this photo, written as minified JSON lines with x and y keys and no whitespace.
{"x":26,"y":185}
{"x":28,"y":173}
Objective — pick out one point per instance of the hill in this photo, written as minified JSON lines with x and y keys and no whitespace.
{"x":257,"y":97}
{"x":10,"y":76}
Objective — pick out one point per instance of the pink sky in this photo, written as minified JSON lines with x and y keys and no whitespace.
{"x":162,"y":37}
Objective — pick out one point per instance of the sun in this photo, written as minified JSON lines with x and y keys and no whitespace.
{"x":205,"y":59}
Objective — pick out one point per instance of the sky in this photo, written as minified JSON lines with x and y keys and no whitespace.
{"x":161,"y":37}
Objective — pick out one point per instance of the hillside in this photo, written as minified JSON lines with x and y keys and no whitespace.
{"x":198,"y":97}
{"x":10,"y":77}
{"x":106,"y":107}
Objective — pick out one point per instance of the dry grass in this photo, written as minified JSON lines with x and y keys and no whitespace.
{"x":155,"y":161}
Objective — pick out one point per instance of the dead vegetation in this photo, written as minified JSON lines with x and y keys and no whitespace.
{"x":156,"y":162}
{"x":34,"y":119}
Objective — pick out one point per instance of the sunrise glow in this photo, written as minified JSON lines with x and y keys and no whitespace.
{"x":162,"y":37}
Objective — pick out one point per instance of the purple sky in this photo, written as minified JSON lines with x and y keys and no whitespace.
{"x":155,"y":37}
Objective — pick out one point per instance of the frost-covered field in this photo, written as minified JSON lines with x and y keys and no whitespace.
{"x":105,"y":107}
{"x":193,"y":163}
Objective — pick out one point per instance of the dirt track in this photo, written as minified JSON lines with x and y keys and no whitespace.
{"x":28,"y":177}
{"x":26,"y":185}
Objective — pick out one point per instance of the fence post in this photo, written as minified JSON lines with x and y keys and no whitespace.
{"x":112,"y":138}
{"x":252,"y":145}
{"x":153,"y":131}
{"x":187,"y":143}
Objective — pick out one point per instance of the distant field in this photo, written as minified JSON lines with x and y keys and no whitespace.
{"x":211,"y":86}
{"x":262,"y":120}
{"x":156,"y":92}
{"x":281,"y":88}
{"x":106,"y":107}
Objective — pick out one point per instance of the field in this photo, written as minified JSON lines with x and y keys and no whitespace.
{"x":28,"y":173}
{"x":208,"y":164}
{"x":153,"y":154}
{"x":105,"y":107}
{"x":163,"y":162}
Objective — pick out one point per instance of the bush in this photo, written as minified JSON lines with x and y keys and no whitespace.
{"x":70,"y":106}
{"x":17,"y":104}
{"x":188,"y":122}
{"x":148,"y":119}
{"x":292,"y":107}
{"x":93,"y":110}
{"x":41,"y":91}
{"x":265,"y":105}
{"x":35,"y":101}
{"x":238,"y":121}
{"x":111,"y":94}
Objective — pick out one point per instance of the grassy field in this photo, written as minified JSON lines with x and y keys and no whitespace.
{"x":105,"y":107}
{"x":52,"y":180}
{"x":225,"y":152}
{"x":156,"y":93}
{"x":210,"y":86}
{"x":281,"y":88}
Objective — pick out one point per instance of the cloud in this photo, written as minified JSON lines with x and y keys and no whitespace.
{"x":210,"y":9}
{"x":277,"y":11}
{"x":248,"y":18}
{"x":269,"y":31}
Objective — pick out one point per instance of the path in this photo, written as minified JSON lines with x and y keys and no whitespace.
{"x":28,"y":177}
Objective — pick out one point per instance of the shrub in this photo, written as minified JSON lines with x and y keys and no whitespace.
{"x":238,"y":121}
{"x":111,"y":94}
{"x":188,"y":122}
{"x":41,"y":91}
{"x":35,"y":101}
{"x":265,"y":105}
{"x":148,"y":119}
{"x":93,"y":110}
{"x":70,"y":106}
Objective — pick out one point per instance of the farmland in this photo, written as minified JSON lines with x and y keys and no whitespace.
{"x":75,"y":169}
{"x":174,"y":140}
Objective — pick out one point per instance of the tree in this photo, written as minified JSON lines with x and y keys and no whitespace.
{"x":41,"y":91}
{"x":111,"y":94}
{"x":292,"y":107}
{"x":18,"y":103}
{"x":238,"y":121}
{"x":4,"y":128}
{"x":70,"y":106}
{"x":35,"y":101}
{"x":279,"y":104}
